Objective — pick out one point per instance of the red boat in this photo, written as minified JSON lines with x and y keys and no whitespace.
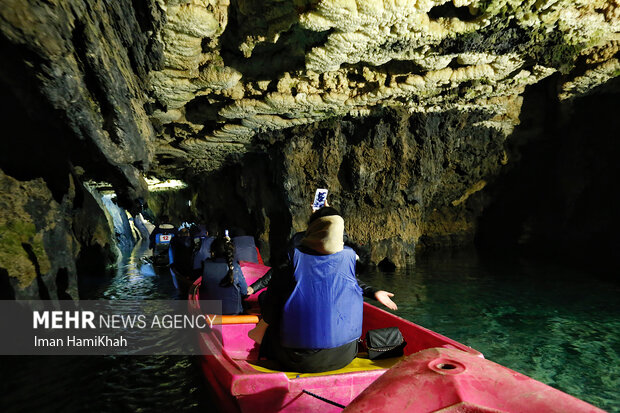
{"x":452,"y":381}
{"x":435,"y":374}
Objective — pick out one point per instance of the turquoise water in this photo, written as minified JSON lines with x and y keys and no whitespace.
{"x":556,"y":324}
{"x":553,"y":323}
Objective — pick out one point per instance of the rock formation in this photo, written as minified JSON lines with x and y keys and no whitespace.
{"x":45,"y":243}
{"x":404,"y":109}
{"x":232,"y":70}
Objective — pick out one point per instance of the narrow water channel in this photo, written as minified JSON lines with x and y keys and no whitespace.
{"x":556,"y":324}
{"x":109,"y":383}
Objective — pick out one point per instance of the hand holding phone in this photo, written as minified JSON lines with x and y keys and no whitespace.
{"x":320,"y":198}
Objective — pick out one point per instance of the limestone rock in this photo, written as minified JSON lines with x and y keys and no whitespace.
{"x":403,"y":109}
{"x":87,"y":61}
{"x":45,"y":243}
{"x":300,"y":62}
{"x":30,"y":221}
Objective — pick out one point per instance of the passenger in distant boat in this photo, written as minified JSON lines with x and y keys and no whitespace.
{"x":246,"y":250}
{"x":183,"y":247}
{"x":204,"y":251}
{"x":312,"y":311}
{"x":159,"y":241}
{"x":222,"y":278}
{"x":198,"y":230}
{"x":162,"y":228}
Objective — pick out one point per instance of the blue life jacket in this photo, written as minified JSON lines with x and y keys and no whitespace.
{"x":326,"y":306}
{"x":162,"y":234}
{"x":181,"y":254}
{"x":213,"y":272}
{"x":245,"y":248}
{"x":204,"y":252}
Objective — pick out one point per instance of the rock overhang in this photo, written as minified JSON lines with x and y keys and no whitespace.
{"x":237,"y":69}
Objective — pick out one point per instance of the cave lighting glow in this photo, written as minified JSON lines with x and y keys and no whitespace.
{"x":155,"y":184}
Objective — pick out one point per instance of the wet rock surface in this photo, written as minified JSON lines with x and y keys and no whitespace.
{"x":78,"y":69}
{"x":399,"y":179}
{"x":45,"y":243}
{"x":72,"y":97}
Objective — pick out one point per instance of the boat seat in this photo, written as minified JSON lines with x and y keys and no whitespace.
{"x":358,"y":364}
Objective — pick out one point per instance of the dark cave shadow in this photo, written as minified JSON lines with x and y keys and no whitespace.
{"x":44,"y":293}
{"x":561,"y":204}
{"x":268,"y":60}
{"x":6,"y":289}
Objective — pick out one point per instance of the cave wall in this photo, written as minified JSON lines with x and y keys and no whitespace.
{"x":94,"y":230}
{"x":410,"y":182}
{"x":293,"y":92}
{"x":77,"y":70}
{"x":177,"y":205}
{"x":400,"y":180}
{"x":125,"y":233}
{"x":403,"y":181}
{"x":45,"y":243}
{"x":73,"y":107}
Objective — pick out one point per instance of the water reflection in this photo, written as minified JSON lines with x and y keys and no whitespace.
{"x":108,"y":383}
{"x":135,"y":278}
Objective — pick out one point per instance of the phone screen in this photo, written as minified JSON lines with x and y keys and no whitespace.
{"x":319,"y":198}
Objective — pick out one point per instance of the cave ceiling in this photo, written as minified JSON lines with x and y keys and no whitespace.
{"x":403,"y":108}
{"x":123,"y":89}
{"x":235,"y":69}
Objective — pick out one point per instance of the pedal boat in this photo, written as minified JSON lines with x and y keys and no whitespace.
{"x":243,"y":383}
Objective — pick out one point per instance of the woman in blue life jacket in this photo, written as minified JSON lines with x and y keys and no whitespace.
{"x":312,"y":310}
{"x":222,"y":278}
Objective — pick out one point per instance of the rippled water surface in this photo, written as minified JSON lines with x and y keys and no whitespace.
{"x":109,"y":383}
{"x":556,"y":324}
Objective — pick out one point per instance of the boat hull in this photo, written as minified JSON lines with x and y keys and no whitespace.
{"x":449,"y":380}
{"x":230,"y":359}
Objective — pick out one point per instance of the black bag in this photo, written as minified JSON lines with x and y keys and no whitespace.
{"x":385,"y":343}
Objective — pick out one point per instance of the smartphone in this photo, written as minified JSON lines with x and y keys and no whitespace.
{"x":319,"y":199}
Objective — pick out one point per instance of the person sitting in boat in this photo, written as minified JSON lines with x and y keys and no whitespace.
{"x":159,"y":241}
{"x":312,"y":311}
{"x":204,"y":250}
{"x":162,"y":228}
{"x":183,"y":247}
{"x":245,"y":247}
{"x":222,"y":278}
{"x":382,"y":296}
